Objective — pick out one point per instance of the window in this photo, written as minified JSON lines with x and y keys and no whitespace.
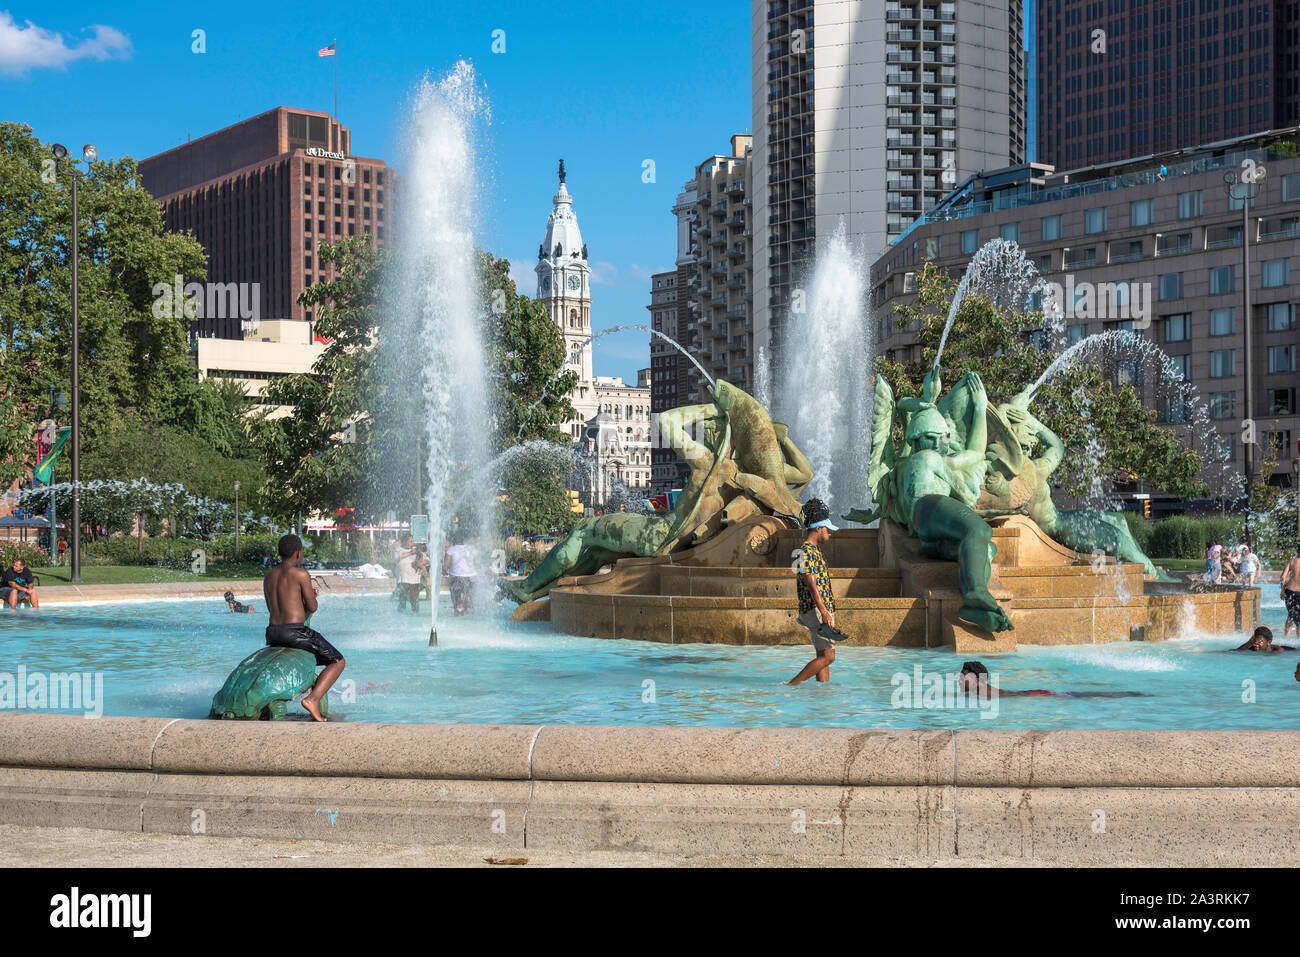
{"x":1222,"y":280}
{"x":1281,"y":317}
{"x":1223,"y":363}
{"x":932,"y":247}
{"x":1179,"y":368}
{"x":1280,"y":401}
{"x":1011,"y":232}
{"x":1183,"y":243}
{"x":1076,"y":333}
{"x":1278,"y":442}
{"x":970,"y":240}
{"x":1045,"y":263}
{"x":1281,"y":359}
{"x":1291,"y":187}
{"x":1176,"y":409}
{"x":1222,"y":405}
{"x":1171,"y":286}
{"x":1051,"y":227}
{"x":1142,"y":212}
{"x":1223,"y":322}
{"x":1189,"y":204}
{"x":1094,"y":220}
{"x":1178,"y":328}
{"x":1276,"y":272}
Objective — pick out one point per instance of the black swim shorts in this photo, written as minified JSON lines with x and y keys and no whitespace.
{"x":304,"y":639}
{"x":1292,"y":599}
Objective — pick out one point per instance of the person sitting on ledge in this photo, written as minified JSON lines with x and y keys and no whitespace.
{"x":291,"y":599}
{"x":974,"y":679}
{"x":16,"y":585}
{"x":238,"y":607}
{"x":1262,"y":640}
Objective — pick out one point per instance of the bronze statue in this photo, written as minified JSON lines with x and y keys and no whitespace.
{"x":742,"y":464}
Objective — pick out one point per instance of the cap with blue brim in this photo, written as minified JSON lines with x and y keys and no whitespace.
{"x":825,"y":523}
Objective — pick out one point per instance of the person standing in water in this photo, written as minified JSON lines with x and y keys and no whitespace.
{"x":1291,"y":595}
{"x":813,"y":584}
{"x":291,"y":599}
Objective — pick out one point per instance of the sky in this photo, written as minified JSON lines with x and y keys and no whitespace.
{"x":606,"y":86}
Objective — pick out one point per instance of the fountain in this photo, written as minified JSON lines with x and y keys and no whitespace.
{"x":821,"y":389}
{"x":970,"y":552}
{"x":433,"y":293}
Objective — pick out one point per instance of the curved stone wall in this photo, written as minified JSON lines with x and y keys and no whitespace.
{"x":1070,"y":797}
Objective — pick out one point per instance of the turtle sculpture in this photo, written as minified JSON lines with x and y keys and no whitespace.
{"x":263,"y":684}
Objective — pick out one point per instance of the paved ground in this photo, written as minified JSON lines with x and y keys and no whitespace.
{"x":85,"y":847}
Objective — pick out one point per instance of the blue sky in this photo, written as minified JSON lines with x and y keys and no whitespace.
{"x":605,"y":85}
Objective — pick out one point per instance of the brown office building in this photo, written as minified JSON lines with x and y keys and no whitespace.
{"x":261,"y":194}
{"x":1171,"y":74}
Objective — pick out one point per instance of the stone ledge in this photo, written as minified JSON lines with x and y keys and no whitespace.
{"x":670,"y":755}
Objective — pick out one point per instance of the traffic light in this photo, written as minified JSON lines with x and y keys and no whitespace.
{"x":1146,"y":508}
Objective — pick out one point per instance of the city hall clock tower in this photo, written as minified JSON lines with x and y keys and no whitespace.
{"x":564,"y":288}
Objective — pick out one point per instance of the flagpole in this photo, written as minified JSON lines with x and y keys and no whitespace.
{"x":338,"y":143}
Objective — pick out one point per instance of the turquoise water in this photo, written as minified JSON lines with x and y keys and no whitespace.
{"x":168,"y":658}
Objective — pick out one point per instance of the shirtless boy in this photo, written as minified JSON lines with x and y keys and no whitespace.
{"x":290,"y":598}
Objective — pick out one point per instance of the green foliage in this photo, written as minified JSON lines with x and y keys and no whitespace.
{"x":1140,"y":528}
{"x":525,"y":356}
{"x":131,"y":359}
{"x":330,"y":451}
{"x":33,"y":555}
{"x":538,"y":500}
{"x":1078,"y":404}
{"x":1180,"y":536}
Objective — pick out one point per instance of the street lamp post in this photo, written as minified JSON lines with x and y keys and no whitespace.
{"x":236,"y":522}
{"x":89,"y":155}
{"x":1245,"y":186}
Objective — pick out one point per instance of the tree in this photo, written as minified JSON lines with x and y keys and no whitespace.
{"x":526,"y":356}
{"x":332,"y":450}
{"x":132,"y":360}
{"x":1079,"y":403}
{"x":538,"y":501}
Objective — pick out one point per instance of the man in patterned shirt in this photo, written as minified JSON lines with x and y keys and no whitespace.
{"x":816,"y":601}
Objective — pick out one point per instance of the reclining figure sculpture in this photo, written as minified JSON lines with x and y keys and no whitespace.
{"x":742,"y":464}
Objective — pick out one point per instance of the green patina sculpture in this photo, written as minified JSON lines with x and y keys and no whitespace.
{"x":931,"y":483}
{"x":262,"y":685}
{"x":742,"y":464}
{"x":963,"y":461}
{"x":1017,"y":484}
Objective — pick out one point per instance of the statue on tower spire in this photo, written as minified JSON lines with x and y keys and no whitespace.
{"x":561,"y":171}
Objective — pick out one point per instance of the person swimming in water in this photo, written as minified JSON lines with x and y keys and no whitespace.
{"x":238,"y":607}
{"x":291,"y":600}
{"x":1262,"y":640}
{"x":974,"y":679}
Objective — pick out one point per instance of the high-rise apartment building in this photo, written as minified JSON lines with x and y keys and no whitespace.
{"x":261,"y":195}
{"x":1135,"y":77}
{"x":867,"y":112}
{"x":662,"y":376}
{"x":721,"y":270}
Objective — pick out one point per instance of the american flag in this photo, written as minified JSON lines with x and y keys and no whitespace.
{"x":326,"y":51}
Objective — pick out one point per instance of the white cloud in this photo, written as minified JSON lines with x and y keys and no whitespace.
{"x":29,"y":47}
{"x":603,"y":273}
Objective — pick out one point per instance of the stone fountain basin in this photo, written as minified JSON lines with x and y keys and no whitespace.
{"x":737,"y":589}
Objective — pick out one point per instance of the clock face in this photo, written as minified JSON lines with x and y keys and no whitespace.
{"x":574,"y":282}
